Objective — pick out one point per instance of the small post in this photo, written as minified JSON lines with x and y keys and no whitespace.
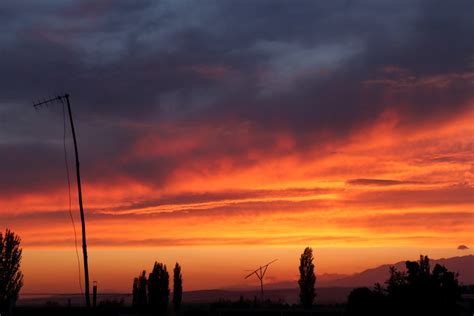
{"x":94,"y":294}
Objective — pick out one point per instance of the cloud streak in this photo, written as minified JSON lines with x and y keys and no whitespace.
{"x":378,"y":182}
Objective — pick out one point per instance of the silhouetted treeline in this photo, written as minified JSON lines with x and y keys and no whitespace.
{"x":418,"y":291}
{"x":152,"y":295}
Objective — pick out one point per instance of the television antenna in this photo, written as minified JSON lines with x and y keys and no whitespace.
{"x":260,"y":273}
{"x":61,"y":98}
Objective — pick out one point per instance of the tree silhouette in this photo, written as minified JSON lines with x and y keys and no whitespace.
{"x":307,"y":278}
{"x":139,"y":294}
{"x":423,"y":291}
{"x":135,"y":293}
{"x":418,"y":291}
{"x":158,"y":289}
{"x":11,"y":278}
{"x":177,"y":287}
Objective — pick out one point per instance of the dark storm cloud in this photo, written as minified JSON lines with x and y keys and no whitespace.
{"x":30,"y":167}
{"x":303,"y":67}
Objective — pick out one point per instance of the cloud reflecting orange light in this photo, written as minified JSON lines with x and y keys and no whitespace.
{"x":387,"y":185}
{"x":417,"y":180}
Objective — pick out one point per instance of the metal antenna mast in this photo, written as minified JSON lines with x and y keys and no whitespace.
{"x":260,"y":273}
{"x":60,"y":98}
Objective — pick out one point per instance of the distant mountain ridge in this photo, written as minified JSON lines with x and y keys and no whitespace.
{"x":463,"y":265}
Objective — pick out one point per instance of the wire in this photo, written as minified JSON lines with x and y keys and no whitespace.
{"x":69,"y":191}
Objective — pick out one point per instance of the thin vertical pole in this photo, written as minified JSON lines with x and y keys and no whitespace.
{"x":81,"y":208}
{"x":94,"y":294}
{"x":261,"y":284}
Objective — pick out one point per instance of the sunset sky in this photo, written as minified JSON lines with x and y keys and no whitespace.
{"x":225,"y":134}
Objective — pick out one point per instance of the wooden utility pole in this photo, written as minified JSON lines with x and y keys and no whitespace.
{"x":79,"y":190}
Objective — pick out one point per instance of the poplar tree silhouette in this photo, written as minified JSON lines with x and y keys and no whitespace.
{"x":11,"y":278}
{"x":139,"y":294}
{"x":177,"y":287}
{"x":307,"y":278}
{"x":135,"y":293}
{"x":158,"y":289}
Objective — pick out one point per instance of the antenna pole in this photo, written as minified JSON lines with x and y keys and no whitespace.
{"x":81,"y":208}
{"x":260,"y":273}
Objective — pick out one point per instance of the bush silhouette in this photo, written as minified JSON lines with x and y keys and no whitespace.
{"x":307,"y":278}
{"x":11,"y":278}
{"x":363,"y":301}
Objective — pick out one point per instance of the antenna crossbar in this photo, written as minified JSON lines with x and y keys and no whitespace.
{"x":51,"y":100}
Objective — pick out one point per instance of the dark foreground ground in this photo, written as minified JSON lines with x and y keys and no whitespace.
{"x":209,"y":303}
{"x":192,"y":309}
{"x":197,"y":309}
{"x":206,"y":302}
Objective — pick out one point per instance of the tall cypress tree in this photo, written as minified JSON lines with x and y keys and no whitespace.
{"x":177,"y":287}
{"x":307,"y":278}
